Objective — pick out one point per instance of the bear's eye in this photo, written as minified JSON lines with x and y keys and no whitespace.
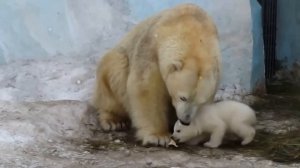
{"x":178,"y":131}
{"x":183,"y":99}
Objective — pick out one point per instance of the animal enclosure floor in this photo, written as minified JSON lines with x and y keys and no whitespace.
{"x":44,"y":122}
{"x":66,"y":134}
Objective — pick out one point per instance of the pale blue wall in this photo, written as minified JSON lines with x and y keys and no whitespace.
{"x":24,"y":24}
{"x":142,"y":9}
{"x":258,"y":65}
{"x":36,"y":29}
{"x":288,"y":34}
{"x":42,"y":29}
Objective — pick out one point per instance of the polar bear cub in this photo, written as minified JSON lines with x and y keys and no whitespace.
{"x":217,"y":119}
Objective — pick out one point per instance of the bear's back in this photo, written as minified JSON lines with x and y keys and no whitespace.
{"x":152,"y":32}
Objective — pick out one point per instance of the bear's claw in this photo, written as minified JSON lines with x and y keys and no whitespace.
{"x":112,"y":126}
{"x":156,"y":140}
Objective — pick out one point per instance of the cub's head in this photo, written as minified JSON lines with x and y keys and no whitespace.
{"x":191,"y":85}
{"x":183,"y":133}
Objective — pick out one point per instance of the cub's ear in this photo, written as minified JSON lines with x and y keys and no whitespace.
{"x":175,"y":66}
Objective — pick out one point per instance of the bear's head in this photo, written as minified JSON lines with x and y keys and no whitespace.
{"x":189,"y":59}
{"x":191,"y":84}
{"x":183,"y":133}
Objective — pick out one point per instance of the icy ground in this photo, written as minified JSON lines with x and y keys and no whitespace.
{"x":53,"y":79}
{"x":64,"y":79}
{"x":45,"y":122}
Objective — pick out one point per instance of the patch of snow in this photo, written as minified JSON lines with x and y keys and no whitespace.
{"x":8,"y":137}
{"x":66,"y":79}
{"x":47,"y":80}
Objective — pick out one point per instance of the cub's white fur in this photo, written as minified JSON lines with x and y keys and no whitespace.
{"x":217,"y":119}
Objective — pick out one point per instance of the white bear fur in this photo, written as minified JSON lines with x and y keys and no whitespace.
{"x":171,"y":58}
{"x":217,"y":119}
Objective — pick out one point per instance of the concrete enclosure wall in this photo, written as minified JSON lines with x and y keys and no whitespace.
{"x":33,"y":29}
{"x":288,"y":34}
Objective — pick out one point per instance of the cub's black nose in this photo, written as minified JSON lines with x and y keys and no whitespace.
{"x":184,"y":123}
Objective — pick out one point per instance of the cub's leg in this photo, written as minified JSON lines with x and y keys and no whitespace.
{"x":149,"y":106}
{"x":110,"y":92}
{"x":246,"y":132}
{"x":216,"y":136}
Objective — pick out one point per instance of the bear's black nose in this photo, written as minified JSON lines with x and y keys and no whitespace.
{"x":184,"y":123}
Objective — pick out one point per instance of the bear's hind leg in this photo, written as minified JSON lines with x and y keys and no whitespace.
{"x":111,"y":121}
{"x":111,"y":84}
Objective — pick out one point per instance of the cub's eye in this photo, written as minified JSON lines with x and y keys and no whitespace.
{"x":183,"y":99}
{"x":178,"y":131}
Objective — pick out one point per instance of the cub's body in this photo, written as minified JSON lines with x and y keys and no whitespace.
{"x":217,"y":119}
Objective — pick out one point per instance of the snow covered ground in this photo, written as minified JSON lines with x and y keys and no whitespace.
{"x":45,"y":122}
{"x":64,"y":79}
{"x":44,"y":80}
{"x":64,"y":134}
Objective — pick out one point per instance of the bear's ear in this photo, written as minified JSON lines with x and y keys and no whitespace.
{"x":175,"y":66}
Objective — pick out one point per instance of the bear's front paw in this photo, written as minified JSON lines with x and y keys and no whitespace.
{"x":211,"y":145}
{"x":155,"y":139}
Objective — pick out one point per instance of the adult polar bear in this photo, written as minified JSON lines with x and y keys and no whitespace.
{"x":172,"y":58}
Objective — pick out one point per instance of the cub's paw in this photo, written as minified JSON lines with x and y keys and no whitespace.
{"x":211,"y":145}
{"x":246,"y":141}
